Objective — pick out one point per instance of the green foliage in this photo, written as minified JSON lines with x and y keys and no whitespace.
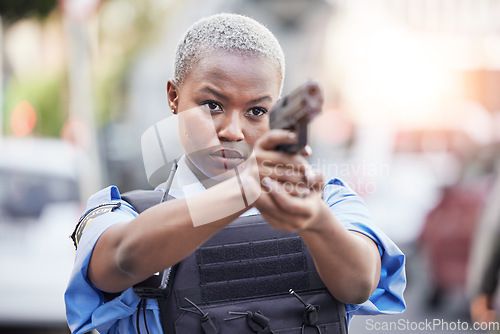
{"x":45,"y":93}
{"x":118,"y":48}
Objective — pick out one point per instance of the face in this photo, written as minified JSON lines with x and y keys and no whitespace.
{"x":223,"y":107}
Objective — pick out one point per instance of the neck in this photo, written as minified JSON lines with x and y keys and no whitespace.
{"x":205,"y":180}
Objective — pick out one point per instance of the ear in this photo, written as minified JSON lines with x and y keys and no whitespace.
{"x":172,"y":96}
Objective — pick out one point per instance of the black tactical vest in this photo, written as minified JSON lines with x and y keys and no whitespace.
{"x":248,"y":278}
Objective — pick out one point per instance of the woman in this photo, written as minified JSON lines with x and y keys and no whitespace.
{"x":229,"y":72}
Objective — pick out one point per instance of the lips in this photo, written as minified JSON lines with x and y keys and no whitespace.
{"x":228,"y":154}
{"x":227,"y":158}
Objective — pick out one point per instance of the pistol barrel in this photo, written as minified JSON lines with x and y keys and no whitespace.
{"x":294,"y":112}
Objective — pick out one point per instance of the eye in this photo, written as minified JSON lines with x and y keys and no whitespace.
{"x":212,"y":106}
{"x":256,"y":112}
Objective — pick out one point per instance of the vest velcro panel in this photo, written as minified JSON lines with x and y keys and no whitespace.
{"x":249,"y":268}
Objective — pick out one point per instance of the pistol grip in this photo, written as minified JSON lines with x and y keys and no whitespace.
{"x":300,"y":129}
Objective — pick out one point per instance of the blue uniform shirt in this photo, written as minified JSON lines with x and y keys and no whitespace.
{"x":87,"y":307}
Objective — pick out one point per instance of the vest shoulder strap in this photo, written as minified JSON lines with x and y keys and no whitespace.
{"x":156,"y":286}
{"x":142,"y":200}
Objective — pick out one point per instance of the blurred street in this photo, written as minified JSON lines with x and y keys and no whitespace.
{"x":420,"y":316}
{"x":411,"y":122}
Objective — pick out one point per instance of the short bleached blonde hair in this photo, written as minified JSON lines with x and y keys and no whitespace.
{"x":226,"y":32}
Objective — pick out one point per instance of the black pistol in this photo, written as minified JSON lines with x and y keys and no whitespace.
{"x":295,"y":111}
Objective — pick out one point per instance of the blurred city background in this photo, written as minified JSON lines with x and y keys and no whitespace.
{"x":411,"y":122}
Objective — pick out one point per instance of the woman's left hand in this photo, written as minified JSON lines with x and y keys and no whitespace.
{"x":291,"y":190}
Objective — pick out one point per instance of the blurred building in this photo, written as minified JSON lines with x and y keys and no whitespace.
{"x":411,"y":86}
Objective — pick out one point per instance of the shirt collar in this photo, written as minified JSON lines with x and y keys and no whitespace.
{"x":186,"y":184}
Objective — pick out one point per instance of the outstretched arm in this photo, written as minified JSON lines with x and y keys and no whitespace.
{"x":348,"y":262}
{"x":128,"y":253}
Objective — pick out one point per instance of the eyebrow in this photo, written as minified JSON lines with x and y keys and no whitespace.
{"x":214,"y":92}
{"x":225,"y":98}
{"x":260,"y":99}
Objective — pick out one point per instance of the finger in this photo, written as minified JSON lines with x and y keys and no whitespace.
{"x":284,"y":175}
{"x":294,"y":190}
{"x":314,"y":179}
{"x":273,"y":215}
{"x":265,"y":204}
{"x":306,"y":151}
{"x":276,"y":137}
{"x":280,"y":223}
{"x":284,"y":200}
{"x":271,"y":159}
{"x":298,"y":187}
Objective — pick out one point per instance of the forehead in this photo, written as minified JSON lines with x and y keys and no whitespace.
{"x":229,"y":68}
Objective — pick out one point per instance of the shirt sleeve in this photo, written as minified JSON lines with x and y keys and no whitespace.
{"x":353,"y":214}
{"x":85,"y":304}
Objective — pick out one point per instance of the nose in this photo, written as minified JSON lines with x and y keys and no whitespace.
{"x":230,"y":128}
